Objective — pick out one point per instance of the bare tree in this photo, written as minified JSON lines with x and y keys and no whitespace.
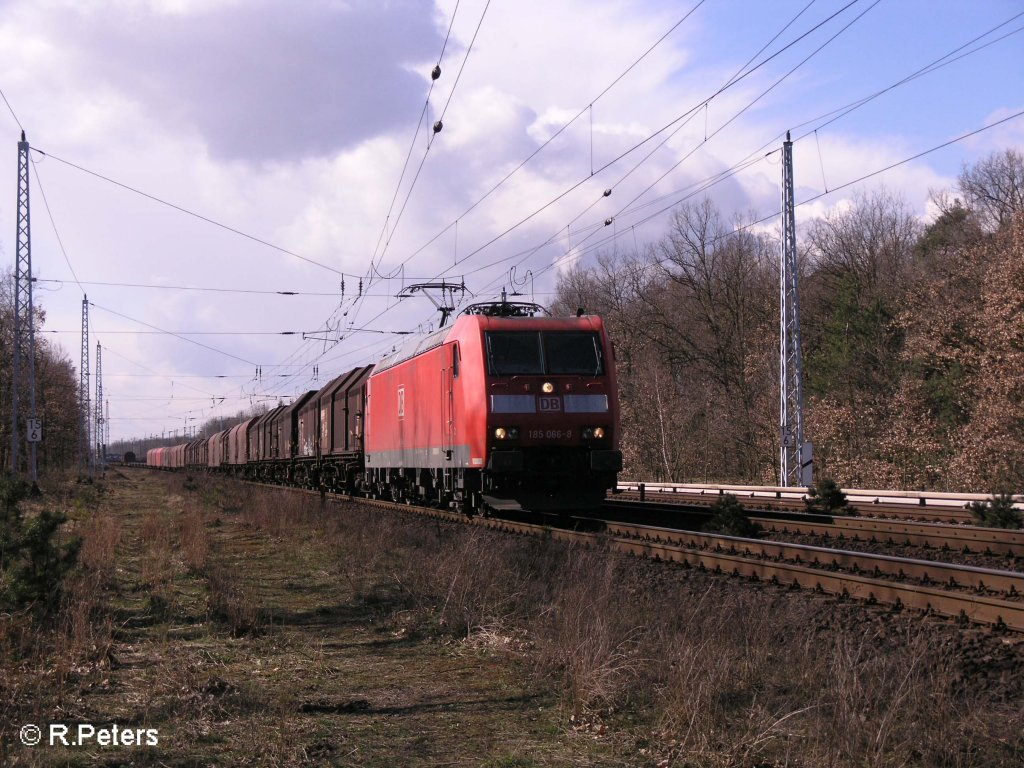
{"x":994,"y":187}
{"x":713,"y":318}
{"x":867,"y":245}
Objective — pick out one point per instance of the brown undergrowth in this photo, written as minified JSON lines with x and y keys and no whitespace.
{"x":719,"y":672}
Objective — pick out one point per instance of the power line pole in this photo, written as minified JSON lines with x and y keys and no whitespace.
{"x":106,"y":426}
{"x":795,"y":455}
{"x":24,"y":341}
{"x":84,"y":441}
{"x":99,"y":421}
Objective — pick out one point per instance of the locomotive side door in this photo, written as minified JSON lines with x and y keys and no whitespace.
{"x":448,"y":375}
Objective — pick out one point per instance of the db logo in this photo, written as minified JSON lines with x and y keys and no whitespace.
{"x":550,"y":404}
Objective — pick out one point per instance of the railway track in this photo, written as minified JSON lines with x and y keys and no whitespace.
{"x":789,"y":565}
{"x":872,"y":578}
{"x":693,"y":549}
{"x":927,"y":572}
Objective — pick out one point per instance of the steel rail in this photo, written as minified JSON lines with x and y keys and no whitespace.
{"x":936,"y":535}
{"x":1009,"y":583}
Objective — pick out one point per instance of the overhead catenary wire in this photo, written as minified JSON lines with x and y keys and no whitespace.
{"x":550,"y":139}
{"x":56,"y":233}
{"x":171,"y":333}
{"x":740,"y":112}
{"x":756,"y":156}
{"x":693,"y":111}
{"x":833,"y":190}
{"x":194,"y":214}
{"x":695,"y":108}
{"x":430,"y":139}
{"x":557,"y":133}
{"x":372,"y":271}
{"x":688,"y":113}
{"x":412,"y":144}
{"x":11,"y":110}
{"x":244,"y":234}
{"x":858,"y":180}
{"x":583,"y":248}
{"x":189,"y":287}
{"x":527,"y":254}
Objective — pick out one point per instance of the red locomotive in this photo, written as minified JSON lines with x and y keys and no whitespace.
{"x":501,"y":410}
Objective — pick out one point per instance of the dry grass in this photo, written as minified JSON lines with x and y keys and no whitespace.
{"x":276,"y":513}
{"x":233,"y":601}
{"x":195,"y":540}
{"x":726,"y":675}
{"x":242,"y":608}
{"x":101,"y":534}
{"x":157,"y":553}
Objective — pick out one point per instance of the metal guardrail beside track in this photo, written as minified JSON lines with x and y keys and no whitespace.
{"x":798,"y":493}
{"x":997,"y":541}
{"x":914,"y":505}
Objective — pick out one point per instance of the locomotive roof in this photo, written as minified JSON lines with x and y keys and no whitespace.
{"x":418,"y":344}
{"x":413,"y":347}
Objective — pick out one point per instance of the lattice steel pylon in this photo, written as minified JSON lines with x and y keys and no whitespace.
{"x":795,"y":455}
{"x":24,"y":341}
{"x":84,"y":441}
{"x":99,"y":421}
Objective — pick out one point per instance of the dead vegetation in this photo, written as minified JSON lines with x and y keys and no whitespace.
{"x":251,"y":625}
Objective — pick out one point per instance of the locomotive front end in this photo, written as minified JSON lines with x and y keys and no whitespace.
{"x":552,"y":413}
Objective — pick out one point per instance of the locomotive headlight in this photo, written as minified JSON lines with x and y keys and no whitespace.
{"x":547,"y":387}
{"x":598,"y":432}
{"x":513,"y":433}
{"x":587,"y":433}
{"x":500,"y":433}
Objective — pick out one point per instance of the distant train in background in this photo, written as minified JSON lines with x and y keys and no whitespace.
{"x":501,"y":410}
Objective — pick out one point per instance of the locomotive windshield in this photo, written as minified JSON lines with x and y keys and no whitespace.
{"x":577,"y":354}
{"x":516,"y":353}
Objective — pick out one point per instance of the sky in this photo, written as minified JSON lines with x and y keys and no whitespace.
{"x":208,"y":154}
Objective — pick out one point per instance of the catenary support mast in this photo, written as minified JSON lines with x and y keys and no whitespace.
{"x":99,"y":421}
{"x":84,"y":441}
{"x":795,"y":455}
{"x":23,"y":357}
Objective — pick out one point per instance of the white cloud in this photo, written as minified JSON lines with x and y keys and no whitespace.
{"x":292,"y":123}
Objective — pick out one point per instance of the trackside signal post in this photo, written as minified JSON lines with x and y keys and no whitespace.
{"x":795,"y":455}
{"x":24,"y":346}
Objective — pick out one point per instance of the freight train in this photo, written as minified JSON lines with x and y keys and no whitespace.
{"x":502,"y":410}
